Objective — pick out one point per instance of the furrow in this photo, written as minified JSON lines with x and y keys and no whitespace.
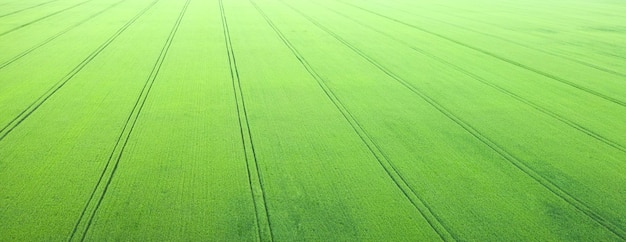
{"x":468,"y":73}
{"x":56,"y":87}
{"x":510,"y":61}
{"x":26,"y":52}
{"x":552,"y":187}
{"x":255,"y":180}
{"x":391,"y":170}
{"x":91,"y":208}
{"x":42,"y":18}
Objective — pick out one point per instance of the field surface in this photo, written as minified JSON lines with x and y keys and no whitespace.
{"x":320,"y":120}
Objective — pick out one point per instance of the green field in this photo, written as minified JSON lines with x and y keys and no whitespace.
{"x":312,"y":120}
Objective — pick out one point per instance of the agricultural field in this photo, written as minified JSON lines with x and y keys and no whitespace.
{"x":312,"y":120}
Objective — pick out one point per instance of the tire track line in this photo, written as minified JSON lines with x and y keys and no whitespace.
{"x":255,"y":180}
{"x":56,"y":87}
{"x":510,"y":61}
{"x":582,"y":62}
{"x":501,"y":89}
{"x":418,"y":203}
{"x":27,"y":8}
{"x":28,"y":51}
{"x":42,"y":18}
{"x":516,"y":162}
{"x":86,"y":217}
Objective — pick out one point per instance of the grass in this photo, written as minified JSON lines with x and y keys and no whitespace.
{"x":243,"y":120}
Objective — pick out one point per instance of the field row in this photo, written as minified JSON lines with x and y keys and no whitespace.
{"x":312,"y":120}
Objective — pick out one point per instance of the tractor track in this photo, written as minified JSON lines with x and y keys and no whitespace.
{"x":512,"y":62}
{"x":56,"y":87}
{"x":582,"y":62}
{"x":42,"y":18}
{"x":48,"y":40}
{"x":394,"y":174}
{"x":88,"y":213}
{"x":255,"y":179}
{"x":516,"y":162}
{"x":27,"y":8}
{"x":503,"y":90}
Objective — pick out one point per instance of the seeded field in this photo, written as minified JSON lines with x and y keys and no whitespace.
{"x":312,"y":120}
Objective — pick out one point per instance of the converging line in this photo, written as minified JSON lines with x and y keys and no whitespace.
{"x":420,"y":204}
{"x":516,"y":162}
{"x":83,"y":223}
{"x":255,"y":179}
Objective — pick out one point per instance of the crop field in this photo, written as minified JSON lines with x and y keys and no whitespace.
{"x":312,"y":120}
